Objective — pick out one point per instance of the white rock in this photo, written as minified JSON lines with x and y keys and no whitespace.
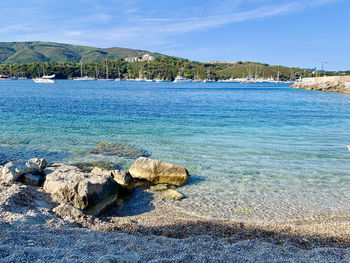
{"x":13,"y":170}
{"x":86,"y":191}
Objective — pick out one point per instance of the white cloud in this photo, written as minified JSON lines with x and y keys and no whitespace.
{"x":134,"y":24}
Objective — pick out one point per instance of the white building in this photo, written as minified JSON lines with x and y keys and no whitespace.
{"x":145,"y":57}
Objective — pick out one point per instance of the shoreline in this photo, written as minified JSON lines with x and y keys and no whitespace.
{"x":154,"y":216}
{"x":167,"y":234}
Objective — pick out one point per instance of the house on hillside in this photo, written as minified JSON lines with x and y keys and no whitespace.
{"x":145,"y":57}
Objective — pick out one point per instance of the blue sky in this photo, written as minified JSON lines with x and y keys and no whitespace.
{"x":294,"y":33}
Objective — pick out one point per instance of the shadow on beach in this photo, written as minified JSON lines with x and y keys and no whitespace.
{"x":134,"y":204}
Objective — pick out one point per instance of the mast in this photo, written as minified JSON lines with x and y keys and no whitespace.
{"x":81,"y":69}
{"x":278,"y":75}
{"x":106,"y":69}
{"x":256,"y":71}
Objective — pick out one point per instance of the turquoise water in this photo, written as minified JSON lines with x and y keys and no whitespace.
{"x":255,"y":151}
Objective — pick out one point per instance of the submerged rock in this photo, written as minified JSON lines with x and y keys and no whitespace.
{"x":159,"y":187}
{"x":158,"y":172}
{"x":118,"y":149}
{"x":89,"y":166}
{"x":13,"y":170}
{"x":100,"y":171}
{"x":171,"y":194}
{"x":89,"y":192}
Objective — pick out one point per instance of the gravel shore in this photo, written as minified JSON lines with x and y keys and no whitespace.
{"x":152,"y":230}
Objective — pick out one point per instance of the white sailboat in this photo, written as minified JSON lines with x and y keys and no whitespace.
{"x":81,"y":78}
{"x":106,"y":79}
{"x":118,"y":79}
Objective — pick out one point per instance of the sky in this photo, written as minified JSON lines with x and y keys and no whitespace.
{"x":302,"y":33}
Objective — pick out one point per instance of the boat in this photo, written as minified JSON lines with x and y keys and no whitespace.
{"x":208,"y":79}
{"x":81,"y":78}
{"x":106,"y":79}
{"x":45,"y":79}
{"x":118,"y":79}
{"x":349,"y":148}
{"x":181,"y":79}
{"x":3,"y":77}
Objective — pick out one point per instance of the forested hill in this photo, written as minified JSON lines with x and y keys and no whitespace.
{"x":30,"y":59}
{"x":29,"y":52}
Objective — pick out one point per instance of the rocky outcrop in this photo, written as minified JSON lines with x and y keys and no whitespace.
{"x":158,"y":172}
{"x":13,"y":170}
{"x":334,"y":84}
{"x":41,"y":162}
{"x":124,"y":180}
{"x":89,"y":192}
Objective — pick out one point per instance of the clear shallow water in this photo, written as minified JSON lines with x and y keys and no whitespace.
{"x":255,"y":151}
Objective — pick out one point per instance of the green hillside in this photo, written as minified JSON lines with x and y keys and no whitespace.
{"x":30,"y":58}
{"x":28,"y":52}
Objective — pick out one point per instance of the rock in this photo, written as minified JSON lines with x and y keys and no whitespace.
{"x":117,"y":259}
{"x":89,"y":166}
{"x":333,"y":84}
{"x":32,"y":179}
{"x":125,"y":181}
{"x":306,"y":244}
{"x":41,"y":162}
{"x":118,"y":149}
{"x":100,"y":171}
{"x":158,"y":172}
{"x":13,"y":170}
{"x":86,"y":191}
{"x":159,"y":187}
{"x":171,"y":194}
{"x":68,"y":211}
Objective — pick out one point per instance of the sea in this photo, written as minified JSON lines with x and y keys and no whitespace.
{"x":259,"y":152}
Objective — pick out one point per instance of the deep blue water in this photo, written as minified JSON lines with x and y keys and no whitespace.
{"x":254,"y":150}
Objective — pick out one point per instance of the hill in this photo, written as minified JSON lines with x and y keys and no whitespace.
{"x":29,"y":52}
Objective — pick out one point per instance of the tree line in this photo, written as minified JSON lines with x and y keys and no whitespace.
{"x":163,"y":67}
